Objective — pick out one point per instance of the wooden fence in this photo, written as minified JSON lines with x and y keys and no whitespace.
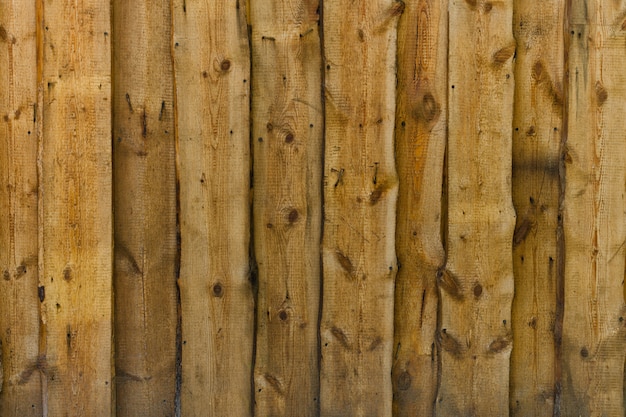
{"x":302,"y":208}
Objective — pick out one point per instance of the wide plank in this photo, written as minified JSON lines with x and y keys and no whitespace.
{"x":144,"y":177}
{"x":212,"y":77}
{"x":476,"y":285}
{"x":76,"y":252}
{"x":360,"y":192}
{"x":594,"y":211}
{"x":421,"y":122}
{"x":287,"y":131}
{"x":20,"y":391}
{"x":537,"y":253}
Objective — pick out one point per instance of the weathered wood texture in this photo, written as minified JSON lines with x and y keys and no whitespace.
{"x":212,"y":73}
{"x":420,"y":146}
{"x":537,"y":129}
{"x":360,"y":191}
{"x":145,"y":209}
{"x":75,"y":208}
{"x":288,"y":131}
{"x":476,"y":286}
{"x":234,"y":181}
{"x":594,"y":334}
{"x":19,"y":305}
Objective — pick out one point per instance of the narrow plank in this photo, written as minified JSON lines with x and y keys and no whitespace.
{"x":145,"y":209}
{"x":19,"y":306}
{"x":76,"y":212}
{"x":476,"y":287}
{"x":360,"y":191}
{"x":538,"y":123}
{"x":212,"y":73}
{"x":420,"y":146}
{"x":287,"y":125}
{"x":594,"y":334}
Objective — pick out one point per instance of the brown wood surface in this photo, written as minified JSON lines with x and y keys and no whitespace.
{"x":212,"y":77}
{"x":360,"y":191}
{"x":75,"y":209}
{"x":287,"y":137}
{"x":301,"y":208}
{"x":594,"y":333}
{"x":420,"y":136}
{"x":20,"y":393}
{"x":537,"y":130}
{"x":145,"y":209}
{"x":476,"y":286}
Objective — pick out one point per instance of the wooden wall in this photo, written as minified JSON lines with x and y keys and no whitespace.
{"x":312,"y":208}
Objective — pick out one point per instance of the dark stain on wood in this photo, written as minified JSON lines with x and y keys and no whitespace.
{"x":375,"y":343}
{"x":274,"y":383}
{"x":499,"y":344}
{"x":449,"y":343}
{"x":430,"y":108}
{"x":67,"y":273}
{"x":537,"y":72}
{"x":376,"y":195}
{"x":601,"y":94}
{"x":523,"y":229}
{"x":404,"y":380}
{"x":341,"y":337}
{"x":449,"y":283}
{"x":345,"y":262}
{"x":503,"y":55}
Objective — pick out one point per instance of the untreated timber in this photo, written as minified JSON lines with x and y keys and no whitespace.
{"x":20,"y":367}
{"x":287,"y":138}
{"x":145,"y":209}
{"x":594,"y":211}
{"x":476,"y":285}
{"x":420,"y":145}
{"x":75,"y":208}
{"x":537,"y":130}
{"x":360,"y":191}
{"x":212,"y":78}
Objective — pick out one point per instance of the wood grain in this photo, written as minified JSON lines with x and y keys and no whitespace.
{"x":288,"y":133}
{"x":212,"y":74}
{"x":594,"y":334}
{"x":420,"y":145}
{"x":20,"y":393}
{"x":145,"y":209}
{"x":476,"y":287}
{"x":360,"y":191}
{"x":537,"y":130}
{"x":76,"y":210}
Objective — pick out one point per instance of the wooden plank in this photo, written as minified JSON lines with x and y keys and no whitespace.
{"x":476,"y":287}
{"x":19,"y":305}
{"x":538,"y":123}
{"x":145,"y":209}
{"x":420,"y":146}
{"x":288,"y":133}
{"x":594,"y":334}
{"x":360,"y":191}
{"x":76,"y":211}
{"x":212,"y":73}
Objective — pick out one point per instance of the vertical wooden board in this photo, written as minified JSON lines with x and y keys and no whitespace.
{"x":19,"y":305}
{"x":76,"y":213}
{"x":212,"y":70}
{"x":594,"y":332}
{"x":145,"y":209}
{"x":476,"y":287}
{"x":360,"y":191}
{"x":420,"y":146}
{"x":288,"y":132}
{"x":537,"y":123}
